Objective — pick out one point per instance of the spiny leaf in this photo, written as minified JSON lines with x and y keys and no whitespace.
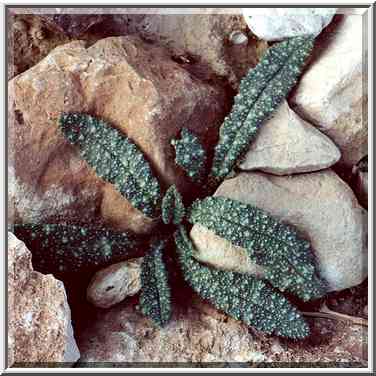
{"x":115,"y":158}
{"x":190,"y":155}
{"x":287,"y":258}
{"x":173,"y":210}
{"x":240,"y":295}
{"x":59,"y":248}
{"x":155,"y":298}
{"x":260,"y":93}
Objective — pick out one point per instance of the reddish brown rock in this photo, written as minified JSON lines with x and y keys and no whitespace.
{"x":202,"y":336}
{"x":73,"y":25}
{"x":29,"y":40}
{"x":135,"y":87}
{"x":39,"y":326}
{"x":203,"y":41}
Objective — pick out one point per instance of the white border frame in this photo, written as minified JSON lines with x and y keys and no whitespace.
{"x":239,"y":3}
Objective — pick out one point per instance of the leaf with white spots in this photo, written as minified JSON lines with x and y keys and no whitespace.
{"x":115,"y":158}
{"x":190,"y":155}
{"x":287,"y":258}
{"x":58,"y":248}
{"x":155,"y":297}
{"x":260,"y":93}
{"x":241,"y":296}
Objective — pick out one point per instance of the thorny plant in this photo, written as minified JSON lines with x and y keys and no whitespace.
{"x":286,"y":258}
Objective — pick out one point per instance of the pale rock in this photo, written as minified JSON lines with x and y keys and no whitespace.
{"x":139,"y":90}
{"x":39,"y":318}
{"x":320,"y":205}
{"x":113,"y":284}
{"x":332,"y":93}
{"x":286,"y":144}
{"x":226,"y":255}
{"x":273,"y":24}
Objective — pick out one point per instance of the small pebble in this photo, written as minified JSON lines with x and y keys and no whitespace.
{"x":238,"y":37}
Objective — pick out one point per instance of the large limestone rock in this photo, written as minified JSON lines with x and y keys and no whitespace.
{"x":273,"y":24}
{"x":39,"y":322}
{"x":200,"y":336}
{"x":320,"y":205}
{"x":332,"y":93}
{"x":134,"y":86}
{"x":286,"y":144}
{"x":113,"y":284}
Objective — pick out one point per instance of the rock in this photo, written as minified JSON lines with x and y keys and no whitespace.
{"x":331,"y":344}
{"x":320,"y":205}
{"x":72,"y":25}
{"x":113,"y":284}
{"x":226,"y":255}
{"x":362,"y":188}
{"x":28,"y":42}
{"x":287,"y":144}
{"x":203,"y":42}
{"x":360,"y":176}
{"x":365,"y":311}
{"x":273,"y":24}
{"x":124,"y":335}
{"x":39,"y":319}
{"x":199,"y":334}
{"x":333,"y":96}
{"x":134,"y":86}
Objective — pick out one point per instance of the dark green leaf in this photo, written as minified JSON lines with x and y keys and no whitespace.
{"x":59,"y":248}
{"x":173,"y":210}
{"x":155,"y":298}
{"x":115,"y":158}
{"x":260,"y":93}
{"x":241,"y":296}
{"x":287,"y":258}
{"x":190,"y":155}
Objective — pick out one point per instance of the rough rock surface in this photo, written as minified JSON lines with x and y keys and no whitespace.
{"x":203,"y":41}
{"x":320,"y":205}
{"x":193,"y":335}
{"x":28,"y":42}
{"x":201,"y":336}
{"x":333,"y":96}
{"x":113,"y":284}
{"x":362,"y":188}
{"x":287,"y":144}
{"x":360,"y":181}
{"x":39,"y":322}
{"x":273,"y":24}
{"x":73,"y":25}
{"x":134,"y":86}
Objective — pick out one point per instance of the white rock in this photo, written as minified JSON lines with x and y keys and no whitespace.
{"x":39,"y":317}
{"x":226,"y":255}
{"x":332,"y":92}
{"x":273,"y":24}
{"x":287,"y":144}
{"x":320,"y":205}
{"x":113,"y":284}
